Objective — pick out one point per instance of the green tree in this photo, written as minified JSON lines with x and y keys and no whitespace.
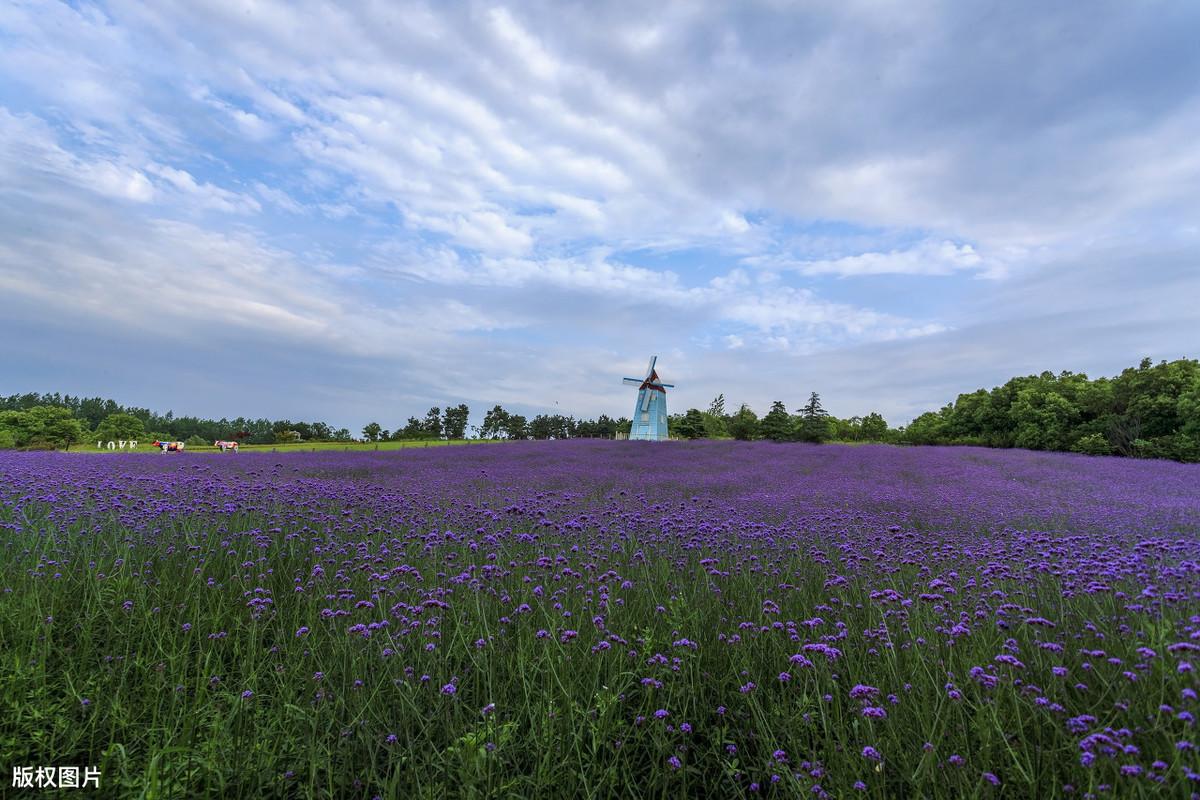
{"x":433,"y":423}
{"x":743,"y":425}
{"x":777,"y":424}
{"x":493,"y":423}
{"x":814,"y":420}
{"x":541,"y":427}
{"x":515,"y":427}
{"x":413,"y":429}
{"x":1093,"y":444}
{"x":846,"y":430}
{"x":692,"y":425}
{"x":371,"y":431}
{"x":120,"y":426}
{"x":874,"y":427}
{"x":1043,"y":419}
{"x":929,"y":428}
{"x":454,"y":421}
{"x":51,"y":426}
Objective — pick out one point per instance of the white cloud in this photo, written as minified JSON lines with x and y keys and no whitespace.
{"x":204,"y":195}
{"x":928,"y":257}
{"x":593,"y":179}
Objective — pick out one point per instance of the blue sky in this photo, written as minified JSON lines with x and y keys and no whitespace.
{"x":352,"y":212}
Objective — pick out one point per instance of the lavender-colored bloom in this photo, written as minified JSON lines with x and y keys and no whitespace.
{"x":927,"y":555}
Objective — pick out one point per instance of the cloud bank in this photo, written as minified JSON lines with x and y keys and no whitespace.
{"x":355,"y":211}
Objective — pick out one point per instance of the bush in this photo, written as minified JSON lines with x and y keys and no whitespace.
{"x":1094,"y":444}
{"x":196,"y":441}
{"x":8,"y":439}
{"x":115,"y":427}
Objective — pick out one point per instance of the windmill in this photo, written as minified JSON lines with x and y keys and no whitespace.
{"x":650,"y":413}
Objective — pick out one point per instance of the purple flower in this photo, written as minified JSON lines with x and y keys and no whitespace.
{"x":662,"y":713}
{"x":871,"y":753}
{"x":449,"y":689}
{"x":674,"y":762}
{"x":874,"y":712}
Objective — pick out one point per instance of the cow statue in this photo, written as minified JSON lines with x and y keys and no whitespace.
{"x":226,"y":446}
{"x":169,"y":447}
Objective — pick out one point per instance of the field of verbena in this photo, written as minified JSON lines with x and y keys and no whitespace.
{"x":603,"y":618}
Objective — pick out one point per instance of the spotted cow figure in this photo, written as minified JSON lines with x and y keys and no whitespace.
{"x":169,"y":447}
{"x":226,"y":446}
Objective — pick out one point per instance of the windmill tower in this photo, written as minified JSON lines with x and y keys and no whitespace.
{"x":650,"y":413}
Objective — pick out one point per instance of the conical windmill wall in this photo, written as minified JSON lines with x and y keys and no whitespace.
{"x":651,"y":424}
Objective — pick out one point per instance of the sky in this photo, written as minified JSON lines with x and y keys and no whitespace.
{"x":354,"y":211}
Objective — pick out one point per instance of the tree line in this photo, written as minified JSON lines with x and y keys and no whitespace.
{"x":43,"y":421}
{"x":1148,"y":411}
{"x":809,"y":423}
{"x":498,"y":423}
{"x":57,"y":420}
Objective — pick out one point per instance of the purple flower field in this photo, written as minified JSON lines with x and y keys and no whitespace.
{"x":597,"y":619}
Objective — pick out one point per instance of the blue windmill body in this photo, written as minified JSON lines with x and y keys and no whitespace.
{"x":650,"y":413}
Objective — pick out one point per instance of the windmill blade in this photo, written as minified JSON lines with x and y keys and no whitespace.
{"x":645,"y":399}
{"x":650,"y":369}
{"x":631,"y":381}
{"x":666,"y":385}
